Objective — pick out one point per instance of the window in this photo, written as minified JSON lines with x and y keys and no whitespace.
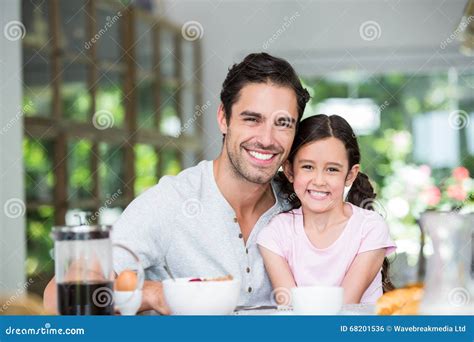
{"x":404,"y":101}
{"x":107,"y":90}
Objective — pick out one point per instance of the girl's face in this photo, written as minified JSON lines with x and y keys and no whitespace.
{"x":319,"y":173}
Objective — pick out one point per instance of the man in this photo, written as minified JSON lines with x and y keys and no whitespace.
{"x":204,"y":221}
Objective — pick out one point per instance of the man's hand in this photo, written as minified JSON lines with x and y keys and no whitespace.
{"x":50,"y":303}
{"x":154,"y":298}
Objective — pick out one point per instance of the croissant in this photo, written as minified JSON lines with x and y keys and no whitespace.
{"x":404,"y":301}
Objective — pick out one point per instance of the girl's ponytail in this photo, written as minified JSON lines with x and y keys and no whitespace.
{"x":361,"y":192}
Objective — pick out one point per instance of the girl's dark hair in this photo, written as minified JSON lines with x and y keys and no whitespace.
{"x":361,"y":194}
{"x":261,"y":68}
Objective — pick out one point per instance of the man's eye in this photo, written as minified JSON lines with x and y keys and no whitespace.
{"x":284,"y":122}
{"x":250,"y":119}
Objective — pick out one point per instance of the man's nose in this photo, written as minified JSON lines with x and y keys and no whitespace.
{"x":266,"y":135}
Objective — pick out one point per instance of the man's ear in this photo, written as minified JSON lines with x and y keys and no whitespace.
{"x":352,"y":174}
{"x":288,"y":170}
{"x":221,"y":120}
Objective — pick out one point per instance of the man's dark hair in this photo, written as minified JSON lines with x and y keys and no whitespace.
{"x":261,"y":68}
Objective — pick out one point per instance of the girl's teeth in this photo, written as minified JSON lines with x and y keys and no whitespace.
{"x":261,"y":156}
{"x":318,"y":194}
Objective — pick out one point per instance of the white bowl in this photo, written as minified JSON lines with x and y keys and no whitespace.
{"x":201,"y":297}
{"x":317,"y":300}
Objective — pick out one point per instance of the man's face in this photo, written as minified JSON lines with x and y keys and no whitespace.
{"x":260,"y":131}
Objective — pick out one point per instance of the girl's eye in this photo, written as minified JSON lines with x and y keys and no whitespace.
{"x":332,"y":169}
{"x":307,"y":167}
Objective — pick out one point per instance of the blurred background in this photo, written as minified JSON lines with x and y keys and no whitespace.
{"x":100,"y":98}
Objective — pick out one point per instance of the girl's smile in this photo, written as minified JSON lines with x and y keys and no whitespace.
{"x":318,"y":195}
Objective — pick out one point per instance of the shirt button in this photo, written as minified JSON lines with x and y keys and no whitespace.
{"x":249,"y":289}
{"x":247,"y":250}
{"x":248,"y":270}
{"x":235,"y":219}
{"x":240,"y":236}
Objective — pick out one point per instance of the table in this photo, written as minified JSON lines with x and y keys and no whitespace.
{"x":347,"y":310}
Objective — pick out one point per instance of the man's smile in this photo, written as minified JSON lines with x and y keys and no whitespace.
{"x":261,"y":157}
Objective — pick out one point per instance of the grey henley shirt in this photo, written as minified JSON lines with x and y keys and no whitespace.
{"x":187,"y":219}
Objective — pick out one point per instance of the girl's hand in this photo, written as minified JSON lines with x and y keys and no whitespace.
{"x":280,"y":276}
{"x":361,"y":273}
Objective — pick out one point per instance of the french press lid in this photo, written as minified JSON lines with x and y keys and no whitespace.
{"x":82,"y":231}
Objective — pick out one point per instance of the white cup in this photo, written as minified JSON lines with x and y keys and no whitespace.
{"x":128,"y":302}
{"x":317,"y":300}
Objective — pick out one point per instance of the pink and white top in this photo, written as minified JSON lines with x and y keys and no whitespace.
{"x":365,"y":231}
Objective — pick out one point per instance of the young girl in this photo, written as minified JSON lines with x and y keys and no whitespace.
{"x":327,"y":240}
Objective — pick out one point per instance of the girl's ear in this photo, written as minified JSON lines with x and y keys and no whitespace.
{"x":352,"y":174}
{"x":288,"y":170}
{"x":221,"y":120}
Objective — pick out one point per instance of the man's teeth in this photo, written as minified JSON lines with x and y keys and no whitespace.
{"x":261,"y":156}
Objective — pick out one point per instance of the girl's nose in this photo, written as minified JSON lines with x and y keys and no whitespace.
{"x":318,"y":179}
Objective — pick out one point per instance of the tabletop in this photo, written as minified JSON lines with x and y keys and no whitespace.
{"x":347,"y":310}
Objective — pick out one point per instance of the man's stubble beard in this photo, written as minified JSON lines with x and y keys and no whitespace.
{"x":238,"y":165}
